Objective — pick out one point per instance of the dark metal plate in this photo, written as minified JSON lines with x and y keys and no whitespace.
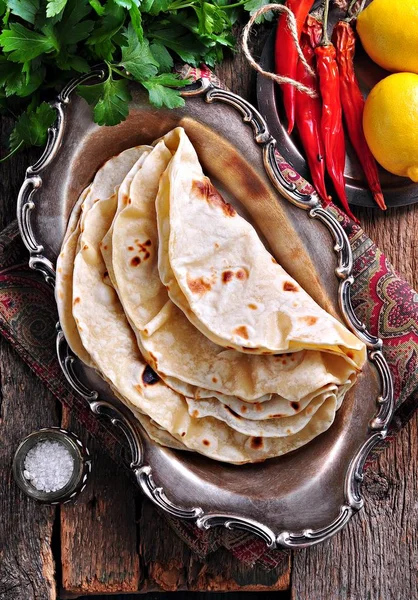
{"x":398,"y":191}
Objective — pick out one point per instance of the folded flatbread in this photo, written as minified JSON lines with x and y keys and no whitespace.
{"x":231,"y":288}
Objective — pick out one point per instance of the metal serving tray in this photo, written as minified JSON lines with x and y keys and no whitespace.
{"x":293,"y":501}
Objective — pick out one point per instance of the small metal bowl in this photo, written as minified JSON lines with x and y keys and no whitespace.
{"x":79,"y":453}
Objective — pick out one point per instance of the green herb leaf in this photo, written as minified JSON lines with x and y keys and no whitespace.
{"x":162,"y":56}
{"x":169,"y":80}
{"x":25,"y":9}
{"x":212,"y":19}
{"x":162,"y":96}
{"x":128,"y":3}
{"x":31,"y":128}
{"x":160,"y":92}
{"x":136,"y":21}
{"x":67,"y":62}
{"x":109,"y":25}
{"x":54,"y":7}
{"x":109,"y":100}
{"x":43,"y":43}
{"x":155,"y":7}
{"x":24,"y":44}
{"x":19,"y":83}
{"x":137,"y":57}
{"x":177,"y":38}
{"x":73,"y":29}
{"x":95,"y":4}
{"x":253,"y":5}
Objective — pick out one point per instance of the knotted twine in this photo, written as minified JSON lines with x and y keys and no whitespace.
{"x":291,"y":21}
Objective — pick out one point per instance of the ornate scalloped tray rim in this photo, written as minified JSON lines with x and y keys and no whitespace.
{"x":125,"y":420}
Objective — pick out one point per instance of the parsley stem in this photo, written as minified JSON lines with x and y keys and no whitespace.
{"x":119,"y":72}
{"x":12,"y":152}
{"x":235,"y":5}
{"x":179,"y":5}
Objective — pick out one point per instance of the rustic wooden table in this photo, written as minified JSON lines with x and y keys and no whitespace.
{"x":114,"y":542}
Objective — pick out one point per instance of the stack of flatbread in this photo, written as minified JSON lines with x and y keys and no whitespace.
{"x":170,"y":294}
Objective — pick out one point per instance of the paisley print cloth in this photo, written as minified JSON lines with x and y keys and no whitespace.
{"x":382,"y":300}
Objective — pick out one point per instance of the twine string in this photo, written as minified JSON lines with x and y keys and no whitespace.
{"x":281,"y":8}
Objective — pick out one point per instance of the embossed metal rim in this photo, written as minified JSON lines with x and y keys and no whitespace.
{"x":131,"y":429}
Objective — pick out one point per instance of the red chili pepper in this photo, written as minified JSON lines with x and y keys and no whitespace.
{"x":308,"y":110}
{"x":353,"y":106}
{"x":286,"y":56}
{"x":331,"y":121}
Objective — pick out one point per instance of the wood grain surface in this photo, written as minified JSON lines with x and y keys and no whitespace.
{"x":26,"y":529}
{"x":111,"y":541}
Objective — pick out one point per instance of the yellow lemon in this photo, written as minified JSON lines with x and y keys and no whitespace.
{"x":390,"y":123}
{"x":388,"y":30}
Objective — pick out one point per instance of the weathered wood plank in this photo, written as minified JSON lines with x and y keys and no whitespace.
{"x":99,"y":532}
{"x":169,"y":564}
{"x":26,"y":560}
{"x":194,"y":596}
{"x":376,"y":556}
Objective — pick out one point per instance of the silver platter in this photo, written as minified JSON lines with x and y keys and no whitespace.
{"x":293,"y":501}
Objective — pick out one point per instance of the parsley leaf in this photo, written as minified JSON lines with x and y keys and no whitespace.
{"x":128,"y":3}
{"x":66,"y":62}
{"x":162,"y":56}
{"x":253,"y":5}
{"x":54,"y":7}
{"x":137,"y":57}
{"x":24,"y":44}
{"x":109,"y":25}
{"x":16,"y":82}
{"x":25,"y":9}
{"x":109,"y":100}
{"x":177,"y":38}
{"x":95,"y":4}
{"x":43,"y":43}
{"x":155,"y":7}
{"x":72,"y":28}
{"x":31,"y":128}
{"x":136,"y":21}
{"x":160,"y":96}
{"x":160,"y":92}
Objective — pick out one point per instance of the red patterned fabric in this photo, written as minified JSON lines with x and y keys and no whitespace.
{"x":384,"y":302}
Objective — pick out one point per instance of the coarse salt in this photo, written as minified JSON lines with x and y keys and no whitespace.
{"x":48,"y":466}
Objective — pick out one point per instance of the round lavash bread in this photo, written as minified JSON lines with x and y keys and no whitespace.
{"x":123,"y":199}
{"x":107,"y":336}
{"x":64,"y":281}
{"x":110,"y":176}
{"x":63,"y":291}
{"x":219,"y":273}
{"x":188,"y":361}
{"x":106,"y":180}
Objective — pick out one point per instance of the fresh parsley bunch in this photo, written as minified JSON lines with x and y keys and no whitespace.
{"x":44,"y":43}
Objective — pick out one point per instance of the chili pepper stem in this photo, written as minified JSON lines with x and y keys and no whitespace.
{"x":325,"y":39}
{"x":350,"y":15}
